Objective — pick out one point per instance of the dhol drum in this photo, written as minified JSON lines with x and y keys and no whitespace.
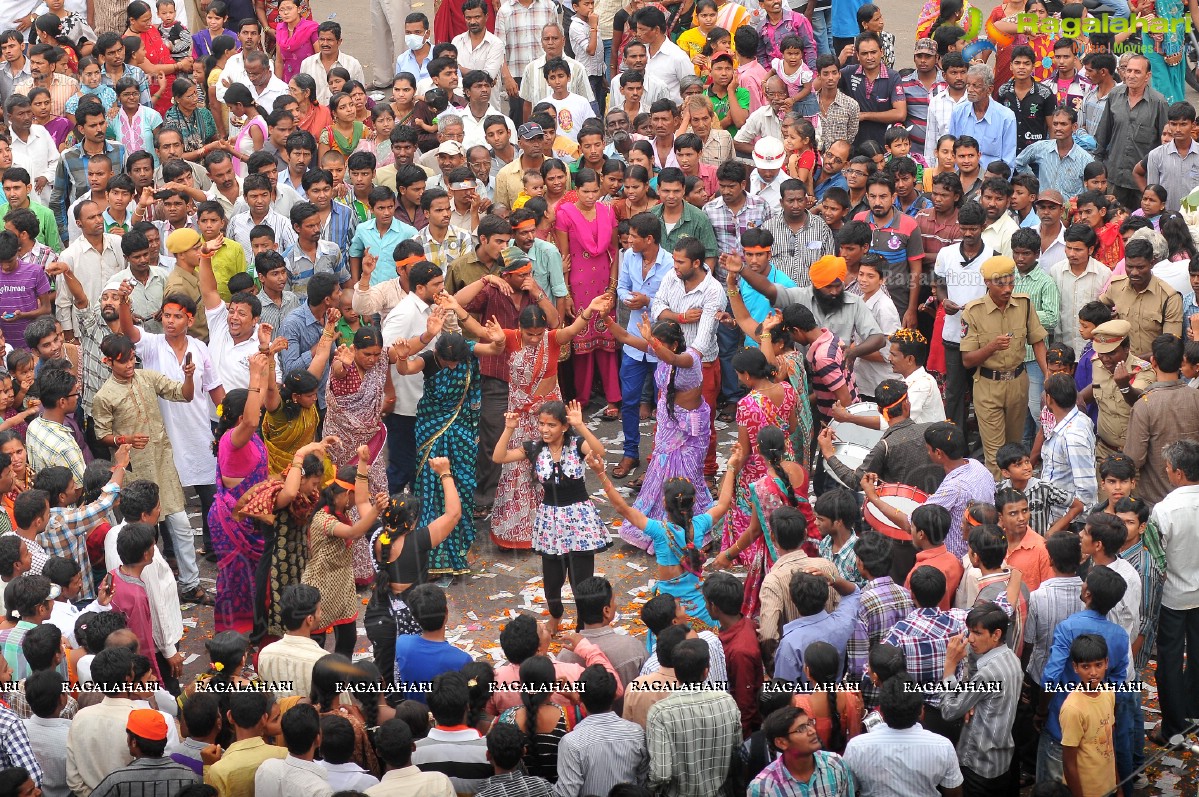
{"x":903,"y":497}
{"x":854,"y":442}
{"x":851,"y":455}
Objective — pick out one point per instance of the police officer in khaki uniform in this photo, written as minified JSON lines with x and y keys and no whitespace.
{"x":995,"y":331}
{"x":1116,"y":385}
{"x":1145,"y":301}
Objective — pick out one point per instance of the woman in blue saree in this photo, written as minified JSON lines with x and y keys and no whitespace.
{"x":447,"y":423}
{"x":678,"y":539}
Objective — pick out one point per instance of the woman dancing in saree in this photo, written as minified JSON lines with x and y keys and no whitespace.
{"x":240,"y":465}
{"x":282,"y":508}
{"x":678,"y":539}
{"x":359,"y":392}
{"x":447,"y":422}
{"x":768,"y":403}
{"x":292,"y":424}
{"x":533,"y":353}
{"x":681,"y":438}
{"x":784,"y":484}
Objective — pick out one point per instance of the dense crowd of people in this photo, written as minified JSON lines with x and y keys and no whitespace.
{"x":947,"y":311}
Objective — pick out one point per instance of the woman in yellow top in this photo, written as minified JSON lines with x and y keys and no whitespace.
{"x":693,"y":40}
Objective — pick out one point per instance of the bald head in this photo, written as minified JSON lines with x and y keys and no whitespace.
{"x":123,"y":638}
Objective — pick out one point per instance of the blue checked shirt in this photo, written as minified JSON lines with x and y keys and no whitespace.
{"x":1189,"y":308}
{"x":301,"y":267}
{"x":883,"y":604}
{"x":70,"y":179}
{"x":1053,"y":171}
{"x":66,"y":532}
{"x":339,"y":229}
{"x":845,"y":560}
{"x":1152,"y":581}
{"x":1068,"y":457}
{"x":729,"y":225}
{"x":15,"y":749}
{"x":830,"y":778}
{"x":134,"y":72}
{"x":923,"y":636}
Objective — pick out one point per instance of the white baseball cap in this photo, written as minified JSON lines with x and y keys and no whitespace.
{"x":769,"y":153}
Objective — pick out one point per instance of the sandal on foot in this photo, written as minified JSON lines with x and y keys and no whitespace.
{"x":626,"y":466}
{"x":196,"y":595}
{"x":611,"y":413}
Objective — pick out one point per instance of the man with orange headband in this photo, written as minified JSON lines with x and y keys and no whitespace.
{"x":547,"y":260}
{"x":502,"y":297}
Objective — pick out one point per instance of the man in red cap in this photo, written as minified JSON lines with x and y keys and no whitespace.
{"x":151,"y":770}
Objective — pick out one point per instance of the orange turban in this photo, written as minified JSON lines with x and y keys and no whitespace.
{"x":827,"y":270}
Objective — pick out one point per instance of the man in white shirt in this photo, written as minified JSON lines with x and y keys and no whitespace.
{"x":298,"y":775}
{"x":33,"y":148}
{"x":768,"y":176}
{"x":667,"y":63}
{"x":408,"y":320}
{"x":327,"y":56}
{"x":47,"y":696}
{"x":250,"y":37}
{"x":943,"y":101}
{"x":635,"y":58}
{"x":96,"y":742}
{"x":393,"y":742}
{"x":479,"y":48}
{"x":1080,"y":279}
{"x":900,"y":751}
{"x":261,"y":81}
{"x":533,"y":85}
{"x":479,"y":89}
{"x":766,"y":121}
{"x":338,"y":744}
{"x":292,"y":657}
{"x":139,"y":504}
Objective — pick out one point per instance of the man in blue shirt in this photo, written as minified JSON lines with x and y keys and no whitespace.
{"x":379,"y":235}
{"x":809,"y":592}
{"x":644,"y":264}
{"x":991,"y":124}
{"x":304,"y":326}
{"x":415,"y":60}
{"x":1104,"y":588}
{"x":420,"y":659}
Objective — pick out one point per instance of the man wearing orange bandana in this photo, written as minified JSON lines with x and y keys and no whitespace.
{"x":501,"y":297}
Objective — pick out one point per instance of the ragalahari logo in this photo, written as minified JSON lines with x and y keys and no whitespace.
{"x":1031,"y":24}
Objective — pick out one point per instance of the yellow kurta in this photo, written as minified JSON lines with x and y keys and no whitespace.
{"x":132,"y":408}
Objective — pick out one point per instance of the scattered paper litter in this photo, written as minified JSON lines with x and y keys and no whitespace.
{"x":483,"y":575}
{"x":509,"y":568}
{"x":472,"y":615}
{"x":1172,"y":762}
{"x":637,"y":567}
{"x":497,"y":596}
{"x":190,"y":622}
{"x":190,"y":658}
{"x":533,"y":580}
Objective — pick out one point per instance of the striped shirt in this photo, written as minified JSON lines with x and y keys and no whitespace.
{"x":602,"y":751}
{"x":830,"y":778}
{"x":1152,"y":581}
{"x":515,"y":784}
{"x":37,"y":555}
{"x":708,"y":295}
{"x":901,"y":763}
{"x":899,"y":242}
{"x":845,"y":560}
{"x":918,"y":98}
{"x":794,"y":252}
{"x":717,"y":670}
{"x":441,"y":253}
{"x":969,"y":482}
{"x":241,"y":224}
{"x":146,"y":777}
{"x":839,"y":122}
{"x":1052,"y":170}
{"x":826,"y":362}
{"x":1056,"y":599}
{"x":519,"y":26}
{"x":691,"y":736}
{"x":986,"y":745}
{"x":1068,"y":457}
{"x":1037,"y":285}
{"x":53,"y":443}
{"x":1046,"y":503}
{"x":340,"y":226}
{"x":460,"y":755}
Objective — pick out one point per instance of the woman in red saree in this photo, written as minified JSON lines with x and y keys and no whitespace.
{"x":768,"y":403}
{"x":241,"y":464}
{"x":158,"y":60}
{"x":359,"y":392}
{"x":784,"y":484}
{"x":533,"y":362}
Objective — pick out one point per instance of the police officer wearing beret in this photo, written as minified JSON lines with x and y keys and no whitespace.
{"x":995,"y":331}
